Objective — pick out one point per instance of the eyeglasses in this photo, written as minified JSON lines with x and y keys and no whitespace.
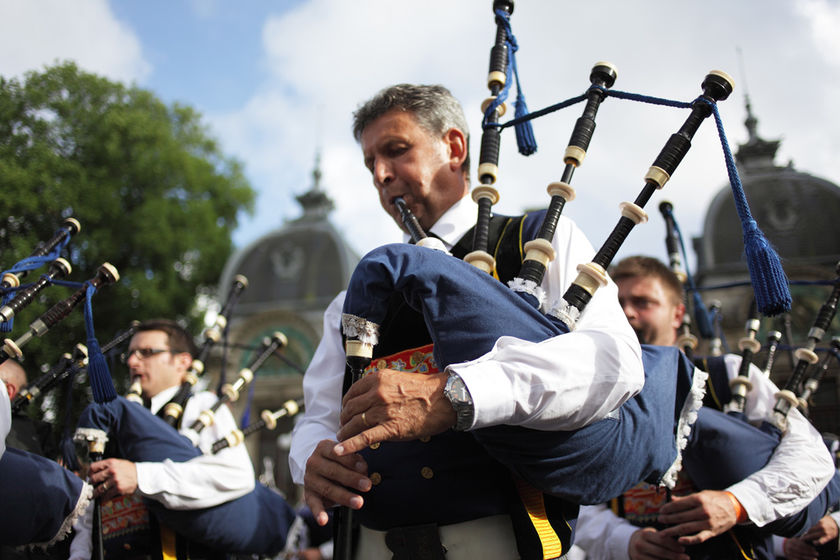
{"x":142,"y":353}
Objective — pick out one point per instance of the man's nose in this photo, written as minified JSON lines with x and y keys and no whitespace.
{"x":382,"y":173}
{"x":132,"y":361}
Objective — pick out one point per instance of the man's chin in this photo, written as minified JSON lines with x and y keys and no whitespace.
{"x":641,"y":336}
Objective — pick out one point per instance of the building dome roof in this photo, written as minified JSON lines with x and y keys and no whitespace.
{"x":797,"y":212}
{"x":302,"y":265}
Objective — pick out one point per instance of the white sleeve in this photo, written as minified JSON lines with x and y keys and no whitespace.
{"x":5,"y":417}
{"x":568,"y":381}
{"x":321,"y":392}
{"x":206,"y":480}
{"x":799,"y":468}
{"x":81,"y":547}
{"x":603,"y":534}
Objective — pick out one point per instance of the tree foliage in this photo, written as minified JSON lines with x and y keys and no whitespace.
{"x":153,"y":192}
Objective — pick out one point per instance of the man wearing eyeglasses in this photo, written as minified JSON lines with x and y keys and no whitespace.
{"x":159,"y":355}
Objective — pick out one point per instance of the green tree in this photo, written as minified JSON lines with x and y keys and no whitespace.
{"x":153,"y":192}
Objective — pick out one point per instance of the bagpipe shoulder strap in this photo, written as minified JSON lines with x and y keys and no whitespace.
{"x":507,"y":235}
{"x":718,"y":392}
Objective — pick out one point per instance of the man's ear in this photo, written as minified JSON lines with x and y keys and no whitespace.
{"x":183,"y":359}
{"x":679,"y":313}
{"x":11,"y":389}
{"x":457,"y":143}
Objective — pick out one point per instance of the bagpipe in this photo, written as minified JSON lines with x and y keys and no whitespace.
{"x":759,"y":436}
{"x":788,"y":398}
{"x":230,"y":391}
{"x":46,"y":498}
{"x":256,"y":523}
{"x":68,"y":366}
{"x":645,"y":439}
{"x":453,"y":298}
{"x":268,"y":421}
{"x":812,"y":383}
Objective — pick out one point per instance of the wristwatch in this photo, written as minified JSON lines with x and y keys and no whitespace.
{"x":459,"y":396}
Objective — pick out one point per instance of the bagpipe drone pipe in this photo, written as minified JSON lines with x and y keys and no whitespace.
{"x":256,"y":523}
{"x":43,"y":497}
{"x":644,"y":439}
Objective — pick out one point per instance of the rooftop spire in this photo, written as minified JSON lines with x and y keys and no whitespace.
{"x":756,"y":152}
{"x":315,"y":202}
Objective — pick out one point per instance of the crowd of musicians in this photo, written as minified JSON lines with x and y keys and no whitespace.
{"x":445,"y":415}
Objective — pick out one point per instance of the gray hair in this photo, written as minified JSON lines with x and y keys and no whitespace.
{"x":434,"y":107}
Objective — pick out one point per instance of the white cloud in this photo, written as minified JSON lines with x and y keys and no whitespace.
{"x":824,"y":18}
{"x":334,"y":54}
{"x":37,"y":33}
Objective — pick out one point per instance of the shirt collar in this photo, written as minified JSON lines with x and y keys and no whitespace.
{"x":455,"y":222}
{"x":162,"y":398}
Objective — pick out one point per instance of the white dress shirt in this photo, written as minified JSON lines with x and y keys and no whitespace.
{"x":5,"y":417}
{"x":562,"y":383}
{"x":207,"y":480}
{"x":798,"y":470}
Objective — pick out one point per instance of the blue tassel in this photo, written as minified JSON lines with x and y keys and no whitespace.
{"x":98,"y":373}
{"x":766,"y":273}
{"x":524,"y":131}
{"x":770,"y":284}
{"x":68,"y":453}
{"x":701,"y":318}
{"x":7,"y":326}
{"x":525,"y":140}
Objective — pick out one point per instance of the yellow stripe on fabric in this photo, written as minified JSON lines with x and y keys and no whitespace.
{"x":744,"y":554}
{"x":498,"y":244}
{"x":711,"y":386}
{"x":535,"y":505}
{"x":167,"y":543}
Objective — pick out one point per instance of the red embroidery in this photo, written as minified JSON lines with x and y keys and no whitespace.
{"x":416,"y":360}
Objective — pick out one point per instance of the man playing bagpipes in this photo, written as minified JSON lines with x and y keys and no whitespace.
{"x":414,"y":141}
{"x":154,"y":466}
{"x":531,"y":403}
{"x":643,"y":523}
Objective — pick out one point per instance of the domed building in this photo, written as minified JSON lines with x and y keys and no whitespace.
{"x":798,"y":214}
{"x":293,"y":273}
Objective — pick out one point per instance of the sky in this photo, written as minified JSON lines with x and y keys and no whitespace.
{"x":277,"y":82}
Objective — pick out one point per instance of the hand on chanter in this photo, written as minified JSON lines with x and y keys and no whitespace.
{"x":390,"y":405}
{"x":113,"y":477}
{"x":650,"y":544}
{"x":698,"y":517}
{"x":328,"y":477}
{"x":824,"y":531}
{"x":798,"y":549}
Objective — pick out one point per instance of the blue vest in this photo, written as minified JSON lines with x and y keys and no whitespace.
{"x":450,"y":478}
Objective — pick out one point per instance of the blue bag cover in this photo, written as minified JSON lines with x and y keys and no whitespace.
{"x":40,"y":499}
{"x":466,"y":311}
{"x":256,"y":523}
